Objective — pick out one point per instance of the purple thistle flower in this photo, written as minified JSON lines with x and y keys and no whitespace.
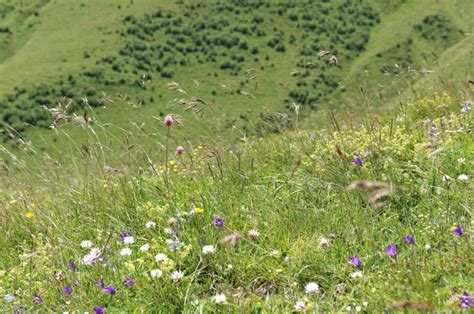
{"x":458,"y":231}
{"x":72,"y":266}
{"x":37,"y":298}
{"x":99,"y":309}
{"x":100,"y":283}
{"x":218,"y":222}
{"x":357,"y":160}
{"x":355,"y":260}
{"x":391,"y":250}
{"x":67,"y":290}
{"x":123,"y":235}
{"x":128,"y":282}
{"x":110,"y":290}
{"x":466,"y":301}
{"x":409,"y":239}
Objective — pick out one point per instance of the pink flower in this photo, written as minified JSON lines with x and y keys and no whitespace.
{"x":169,"y":120}
{"x":179,"y":150}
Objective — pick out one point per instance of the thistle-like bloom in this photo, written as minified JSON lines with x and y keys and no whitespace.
{"x":300,"y":306}
{"x":67,"y":290}
{"x":110,"y":290}
{"x":100,"y":283}
{"x":218,"y":222}
{"x":179,"y":150}
{"x":128,"y":282}
{"x":37,"y":298}
{"x":91,"y":257}
{"x":99,"y":309}
{"x":458,"y":231}
{"x":391,"y":250}
{"x":161,"y":258}
{"x":156,"y":273}
{"x":355,"y":260}
{"x":169,"y":120}
{"x":466,"y":301}
{"x":357,"y":160}
{"x":150,"y":225}
{"x":311,"y":288}
{"x":254,"y":234}
{"x":177,"y":276}
{"x":409,"y":239}
{"x":72,"y":266}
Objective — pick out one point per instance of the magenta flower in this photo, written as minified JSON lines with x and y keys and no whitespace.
{"x":466,"y":301}
{"x":355,"y":260}
{"x":100,"y":283}
{"x":128,"y":282}
{"x":218,"y":222}
{"x":179,"y":150}
{"x":458,"y":231}
{"x":409,"y":239}
{"x":391,"y":250}
{"x":357,"y":160}
{"x":110,"y":290}
{"x":67,"y":290}
{"x":72,"y":266}
{"x":37,"y":298}
{"x":169,"y":120}
{"x":99,"y":309}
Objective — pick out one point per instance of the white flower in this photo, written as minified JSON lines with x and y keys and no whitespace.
{"x":208,"y":249}
{"x":365,"y":303}
{"x":311,"y":288}
{"x":230,"y":266}
{"x":357,"y":274}
{"x":168,"y":231}
{"x":427,"y":246}
{"x":462,"y":177}
{"x":220,"y":298}
{"x":86,"y":244}
{"x":446,"y":178}
{"x":125,"y":251}
{"x":156,"y":273}
{"x":145,"y":247}
{"x":275,"y":253}
{"x":300,"y":306}
{"x":176,"y":276}
{"x":358,"y":308}
{"x":128,"y":240}
{"x":150,"y":225}
{"x":254,"y":234}
{"x":9,"y":298}
{"x":323,"y":243}
{"x":160,"y":257}
{"x":172,"y":221}
{"x":462,"y":161}
{"x":91,"y":257}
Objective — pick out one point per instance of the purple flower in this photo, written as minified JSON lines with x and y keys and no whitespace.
{"x":67,"y":290}
{"x":355,"y":260}
{"x":409,"y":239}
{"x":123,"y":235}
{"x":169,"y":120}
{"x":357,"y":160}
{"x":432,"y":131}
{"x":218,"y":222}
{"x":100,"y":283}
{"x":37,"y":298}
{"x":99,"y":309}
{"x":391,"y":250}
{"x":129,"y":282}
{"x":72,"y":266}
{"x":17,"y":311}
{"x":109,"y":290}
{"x":458,"y":231}
{"x":466,"y":301}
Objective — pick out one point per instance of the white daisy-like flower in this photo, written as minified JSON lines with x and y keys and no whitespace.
{"x":156,"y":273}
{"x":145,"y":247}
{"x":300,"y":306}
{"x":427,"y":246}
{"x":357,"y":274}
{"x":323,"y":243}
{"x":128,"y":240}
{"x":463,"y":177}
{"x":86,"y":244}
{"x":150,"y":225}
{"x":9,"y":298}
{"x":208,"y":249}
{"x":220,"y":298}
{"x":176,"y":276}
{"x":254,"y":234}
{"x":91,"y":257}
{"x":358,"y":308}
{"x":125,"y":251}
{"x":365,"y":303}
{"x":230,"y":266}
{"x":161,"y":258}
{"x":311,"y":288}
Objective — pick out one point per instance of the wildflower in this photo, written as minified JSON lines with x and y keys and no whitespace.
{"x":466,"y":301}
{"x":169,"y":120}
{"x":72,"y":266}
{"x":169,"y":231}
{"x":409,"y":239}
{"x":179,"y":150}
{"x":91,"y":257}
{"x":128,"y":240}
{"x":150,"y":225}
{"x":99,"y":309}
{"x":254,"y":234}
{"x":110,"y":290}
{"x":391,"y":250}
{"x":100,"y":283}
{"x":462,"y":161}
{"x":333,"y":60}
{"x":357,"y":274}
{"x":9,"y":298}
{"x":323,"y":243}
{"x":427,"y":246}
{"x":37,"y":298}
{"x":311,"y":288}
{"x":446,"y":179}
{"x":67,"y":290}
{"x":462,"y":177}
{"x":198,"y":210}
{"x":466,"y":107}
{"x":275,"y":253}
{"x":86,"y":244}
{"x":300,"y":306}
{"x":458,"y":230}
{"x":125,"y":251}
{"x":145,"y":247}
{"x":208,"y":250}
{"x":357,"y":160}
{"x":174,"y":244}
{"x":161,"y":258}
{"x":177,"y":276}
{"x":355,"y":260}
{"x":123,"y":235}
{"x":220,"y":298}
{"x":358,"y":308}
{"x":156,"y":273}
{"x":230,"y":266}
{"x":128,"y":282}
{"x":29,"y":215}
{"x":218,"y":222}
